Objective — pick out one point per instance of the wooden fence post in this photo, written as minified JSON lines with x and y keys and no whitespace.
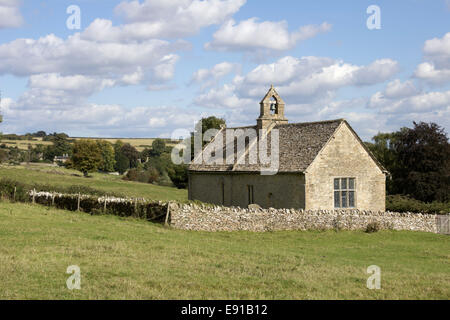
{"x":34,"y":195}
{"x":135,"y":206}
{"x":78,"y":206}
{"x":14,"y":196}
{"x":167,"y":215}
{"x":104,"y":206}
{"x":53,"y":199}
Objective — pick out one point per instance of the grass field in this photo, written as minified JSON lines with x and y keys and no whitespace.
{"x":129,"y":259}
{"x":57,"y":176}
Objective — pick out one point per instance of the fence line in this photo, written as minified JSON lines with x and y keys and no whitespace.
{"x":127,"y":207}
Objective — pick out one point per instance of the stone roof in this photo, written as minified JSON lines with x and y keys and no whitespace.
{"x":300,"y":143}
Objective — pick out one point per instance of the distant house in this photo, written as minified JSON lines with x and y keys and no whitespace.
{"x":322,"y":165}
{"x":61,"y":159}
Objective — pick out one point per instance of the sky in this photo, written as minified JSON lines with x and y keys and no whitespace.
{"x":152,"y":68}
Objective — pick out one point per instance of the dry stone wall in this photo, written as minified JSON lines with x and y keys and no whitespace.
{"x":217,"y":218}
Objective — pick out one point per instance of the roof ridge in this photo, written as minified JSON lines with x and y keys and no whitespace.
{"x":244,"y":127}
{"x":311,"y":122}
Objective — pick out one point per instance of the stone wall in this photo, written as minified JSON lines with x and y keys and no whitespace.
{"x":283,"y":190}
{"x":217,"y":218}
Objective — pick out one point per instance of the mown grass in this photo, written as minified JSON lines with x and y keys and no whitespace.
{"x":56,"y":176}
{"x":130,"y":259}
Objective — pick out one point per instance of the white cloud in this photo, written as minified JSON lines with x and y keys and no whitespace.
{"x":51,"y":54}
{"x":174,"y":18}
{"x":420,"y":102}
{"x":436,"y":68}
{"x":76,"y":84}
{"x":89,"y":119}
{"x":334,"y":109}
{"x":438,"y":50}
{"x":224,"y":97}
{"x":398,"y":89}
{"x":308,"y":79}
{"x":428,"y":72}
{"x":309,"y":86}
{"x":250,"y":34}
{"x":208,"y":77}
{"x":377,"y":71}
{"x":134,"y":77}
{"x":53,"y":91}
{"x":10,"y":16}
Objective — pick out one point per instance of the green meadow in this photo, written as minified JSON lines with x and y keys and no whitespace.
{"x":58,"y":176}
{"x":122,"y":258}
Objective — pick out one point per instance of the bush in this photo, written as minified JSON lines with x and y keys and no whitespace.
{"x":146,"y":176}
{"x":401,"y":203}
{"x":122,"y":207}
{"x":179,"y":176}
{"x":373,"y":227}
{"x":7,"y":187}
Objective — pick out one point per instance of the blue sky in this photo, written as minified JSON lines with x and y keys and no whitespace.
{"x":152,"y":68}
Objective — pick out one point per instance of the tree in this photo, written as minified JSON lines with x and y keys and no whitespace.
{"x":212,"y":123}
{"x":204,"y":125}
{"x":1,"y":120}
{"x":122,"y":163}
{"x":86,"y":156}
{"x":117,"y":146}
{"x":158,"y":147}
{"x":179,"y":175}
{"x":382,"y":149}
{"x":3,"y":155}
{"x":60,"y":146}
{"x":108,"y":156}
{"x":131,"y":153}
{"x":40,"y":134}
{"x":37,"y":153}
{"x":423,"y":162}
{"x":54,"y":135}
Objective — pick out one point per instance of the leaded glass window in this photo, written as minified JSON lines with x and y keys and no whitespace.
{"x":344,"y":193}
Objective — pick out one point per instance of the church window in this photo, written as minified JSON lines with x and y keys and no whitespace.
{"x":344,"y":192}
{"x":250,"y":195}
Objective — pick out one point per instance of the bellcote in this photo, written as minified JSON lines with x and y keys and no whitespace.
{"x":272,"y":109}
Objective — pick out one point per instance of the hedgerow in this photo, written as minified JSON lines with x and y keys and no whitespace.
{"x":123,"y":207}
{"x":401,"y":203}
{"x":91,"y":200}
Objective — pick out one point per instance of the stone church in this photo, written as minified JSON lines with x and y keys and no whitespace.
{"x":322,"y":165}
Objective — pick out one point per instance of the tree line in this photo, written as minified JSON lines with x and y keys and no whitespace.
{"x":418,"y":161}
{"x":152,"y":165}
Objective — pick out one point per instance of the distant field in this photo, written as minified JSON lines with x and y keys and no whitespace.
{"x":23,"y":144}
{"x":139,"y":144}
{"x":58,"y":176}
{"x":129,"y":259}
